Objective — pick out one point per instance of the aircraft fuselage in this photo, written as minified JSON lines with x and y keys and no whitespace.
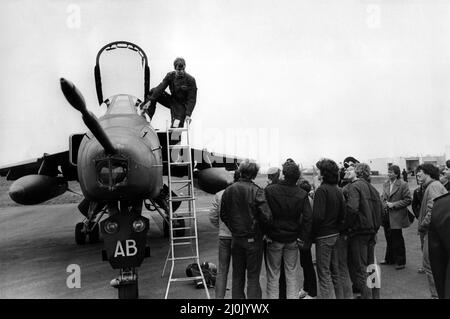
{"x":133,"y":172}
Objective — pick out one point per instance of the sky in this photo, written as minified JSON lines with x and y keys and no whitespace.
{"x":276,"y":79}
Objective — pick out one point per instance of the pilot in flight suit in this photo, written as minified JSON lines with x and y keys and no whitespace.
{"x":182,"y":99}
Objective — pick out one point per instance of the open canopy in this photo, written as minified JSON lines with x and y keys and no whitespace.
{"x":114,"y":46}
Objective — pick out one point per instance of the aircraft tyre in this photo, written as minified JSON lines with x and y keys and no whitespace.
{"x":80,"y":235}
{"x":129,"y":291}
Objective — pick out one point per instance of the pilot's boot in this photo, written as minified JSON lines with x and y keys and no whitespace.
{"x":151,"y":108}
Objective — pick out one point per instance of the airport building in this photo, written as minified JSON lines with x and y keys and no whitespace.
{"x":380,"y":165}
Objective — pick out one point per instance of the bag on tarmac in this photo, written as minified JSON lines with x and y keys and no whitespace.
{"x":209,"y":273}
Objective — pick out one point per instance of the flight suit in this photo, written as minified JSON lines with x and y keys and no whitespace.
{"x":181,"y":100}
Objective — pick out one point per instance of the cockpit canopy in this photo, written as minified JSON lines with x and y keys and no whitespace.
{"x":122,"y":104}
{"x":118,"y":69}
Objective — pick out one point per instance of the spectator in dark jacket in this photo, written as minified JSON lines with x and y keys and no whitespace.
{"x":444,"y":177}
{"x":245,"y":211}
{"x":328,"y":217}
{"x":273,"y":177}
{"x":291,"y":220}
{"x":439,"y":245}
{"x":348,"y":161}
{"x":417,"y":198}
{"x":309,"y":290}
{"x":363,"y":219}
{"x":405,"y":175}
{"x":350,"y":176}
{"x":415,"y":205}
{"x":429,"y":175}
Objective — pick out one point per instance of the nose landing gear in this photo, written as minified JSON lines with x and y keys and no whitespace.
{"x":161,"y":205}
{"x":127,"y":284}
{"x":86,"y":229}
{"x":89,"y":227}
{"x":125,"y":237}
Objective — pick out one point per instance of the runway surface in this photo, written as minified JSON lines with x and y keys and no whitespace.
{"x":37,"y":245}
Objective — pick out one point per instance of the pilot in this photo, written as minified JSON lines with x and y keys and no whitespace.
{"x":182,"y":98}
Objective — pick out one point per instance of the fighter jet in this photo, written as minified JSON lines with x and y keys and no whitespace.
{"x":120,"y":163}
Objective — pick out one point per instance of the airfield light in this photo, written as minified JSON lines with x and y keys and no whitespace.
{"x":111,"y":227}
{"x":138,"y":225}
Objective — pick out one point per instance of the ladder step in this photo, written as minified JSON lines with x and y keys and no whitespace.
{"x":177,"y":129}
{"x":186,"y":278}
{"x":182,"y":244}
{"x":183,"y":258}
{"x":184,"y":237}
{"x":181,"y":214}
{"x":187,"y":217}
{"x":180,"y":163}
{"x":178,"y":147}
{"x":182,"y":198}
{"x":181,"y":181}
{"x":181,"y":228}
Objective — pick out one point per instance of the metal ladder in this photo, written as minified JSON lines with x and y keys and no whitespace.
{"x":189,"y":216}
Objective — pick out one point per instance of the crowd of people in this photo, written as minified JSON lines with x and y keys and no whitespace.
{"x":340,"y":215}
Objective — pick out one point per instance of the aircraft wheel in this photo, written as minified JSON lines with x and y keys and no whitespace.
{"x":94,"y":235}
{"x":129,"y":291}
{"x":80,"y":235}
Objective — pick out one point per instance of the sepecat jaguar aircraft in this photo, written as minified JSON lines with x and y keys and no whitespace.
{"x":120,"y":163}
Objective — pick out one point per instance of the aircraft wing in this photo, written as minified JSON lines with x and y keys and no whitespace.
{"x":201,"y":159}
{"x":49,"y":165}
{"x":204,"y":159}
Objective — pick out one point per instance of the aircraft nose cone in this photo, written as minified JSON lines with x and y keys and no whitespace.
{"x":17,"y":193}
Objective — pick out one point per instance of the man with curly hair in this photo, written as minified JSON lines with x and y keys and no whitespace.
{"x":328,"y":219}
{"x":428,"y":174}
{"x":363,"y":219}
{"x":291,"y":221}
{"x":245,"y":212}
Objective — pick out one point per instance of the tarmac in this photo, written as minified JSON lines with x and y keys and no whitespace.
{"x":37,"y":245}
